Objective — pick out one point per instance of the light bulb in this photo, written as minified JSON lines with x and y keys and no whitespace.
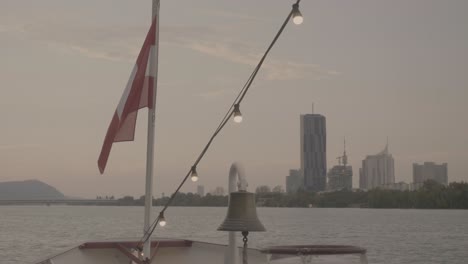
{"x":194,"y":176}
{"x":162,"y":219}
{"x":237,"y":114}
{"x":237,"y":118}
{"x":296,"y":14}
{"x":298,"y":19}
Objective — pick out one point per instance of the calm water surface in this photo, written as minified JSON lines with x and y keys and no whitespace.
{"x":28,"y":233}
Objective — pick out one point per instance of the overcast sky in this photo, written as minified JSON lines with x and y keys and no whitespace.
{"x":374,"y":68}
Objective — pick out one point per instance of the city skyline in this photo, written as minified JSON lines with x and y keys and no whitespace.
{"x":373,"y":68}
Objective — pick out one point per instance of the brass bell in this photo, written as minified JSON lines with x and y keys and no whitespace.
{"x":242,"y":213}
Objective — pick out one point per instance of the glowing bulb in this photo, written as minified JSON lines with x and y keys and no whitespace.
{"x":162,"y":219}
{"x":298,"y":19}
{"x":296,"y":14}
{"x":237,"y":114}
{"x":237,"y":118}
{"x":194,"y":176}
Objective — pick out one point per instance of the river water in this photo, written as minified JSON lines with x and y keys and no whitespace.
{"x":28,"y":233}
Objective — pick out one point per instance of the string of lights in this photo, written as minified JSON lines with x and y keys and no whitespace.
{"x":234,"y":110}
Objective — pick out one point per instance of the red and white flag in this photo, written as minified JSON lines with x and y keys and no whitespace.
{"x":138,"y":94}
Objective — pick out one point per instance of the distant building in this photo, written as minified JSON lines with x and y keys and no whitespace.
{"x":377,"y":170}
{"x":340,"y":177}
{"x":398,"y":186}
{"x":313,"y":151}
{"x":218,"y":191}
{"x":429,"y":171}
{"x":294,"y":181}
{"x":201,"y":190}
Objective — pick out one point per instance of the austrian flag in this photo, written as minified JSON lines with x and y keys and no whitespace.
{"x":138,"y":94}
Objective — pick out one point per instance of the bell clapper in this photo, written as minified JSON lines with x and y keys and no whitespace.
{"x":244,"y":251}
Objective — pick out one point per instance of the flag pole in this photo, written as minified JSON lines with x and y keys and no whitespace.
{"x":151,"y":131}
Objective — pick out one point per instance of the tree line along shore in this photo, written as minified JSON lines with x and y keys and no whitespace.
{"x":431,"y":195}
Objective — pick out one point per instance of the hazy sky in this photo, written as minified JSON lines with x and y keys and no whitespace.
{"x":396,"y":68}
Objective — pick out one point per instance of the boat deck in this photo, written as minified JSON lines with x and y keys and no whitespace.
{"x":163,"y":251}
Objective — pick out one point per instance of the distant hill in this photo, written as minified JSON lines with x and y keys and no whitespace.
{"x":28,"y":190}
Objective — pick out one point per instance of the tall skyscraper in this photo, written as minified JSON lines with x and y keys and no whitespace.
{"x":377,"y":170}
{"x":429,"y":171}
{"x":340,"y":177}
{"x":313,"y":152}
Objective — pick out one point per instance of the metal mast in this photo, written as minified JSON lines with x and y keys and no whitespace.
{"x":150,"y":142}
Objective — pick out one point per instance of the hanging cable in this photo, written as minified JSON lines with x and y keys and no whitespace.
{"x":234,"y":106}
